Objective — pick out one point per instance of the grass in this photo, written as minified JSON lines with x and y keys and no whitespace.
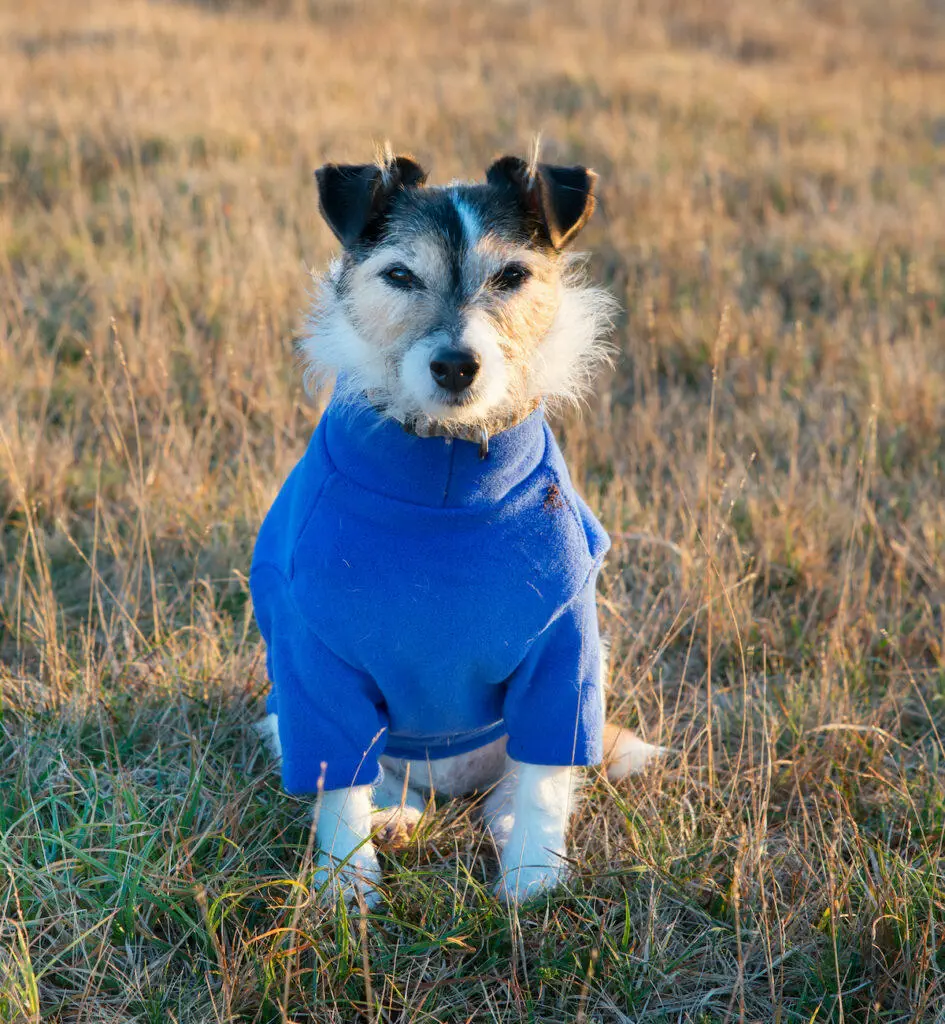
{"x":768,"y":455}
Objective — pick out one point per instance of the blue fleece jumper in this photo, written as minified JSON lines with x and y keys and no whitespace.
{"x":419,"y":601}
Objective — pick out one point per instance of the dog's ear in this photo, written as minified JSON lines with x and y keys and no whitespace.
{"x":351,"y":196}
{"x":562,"y":198}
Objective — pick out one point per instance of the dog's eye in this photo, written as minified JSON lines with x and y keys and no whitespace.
{"x":401,"y":277}
{"x":510,"y":277}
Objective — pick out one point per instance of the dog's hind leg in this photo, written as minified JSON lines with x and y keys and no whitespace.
{"x":267,"y":729}
{"x":398,"y":806}
{"x":391,"y":791}
{"x":407,"y":786}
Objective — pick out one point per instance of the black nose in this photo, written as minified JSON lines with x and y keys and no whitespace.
{"x":454,"y":368}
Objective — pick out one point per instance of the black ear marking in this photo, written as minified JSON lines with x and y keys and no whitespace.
{"x":508,"y":170}
{"x":568,"y":200}
{"x":562,"y":198}
{"x":350,"y":196}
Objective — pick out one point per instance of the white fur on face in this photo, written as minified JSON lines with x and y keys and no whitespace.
{"x":419,"y":391}
{"x":541,"y":341}
{"x":471,"y":226}
{"x":572,"y":350}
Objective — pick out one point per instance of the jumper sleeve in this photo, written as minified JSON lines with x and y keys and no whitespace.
{"x":332,"y":724}
{"x":554,"y":701}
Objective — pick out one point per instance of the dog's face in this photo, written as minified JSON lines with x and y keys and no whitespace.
{"x":451,"y":304}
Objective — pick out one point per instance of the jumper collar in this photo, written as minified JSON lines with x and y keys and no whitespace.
{"x":379,"y":454}
{"x":423,"y":426}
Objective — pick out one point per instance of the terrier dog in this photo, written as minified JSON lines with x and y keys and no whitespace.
{"x":425,"y":580}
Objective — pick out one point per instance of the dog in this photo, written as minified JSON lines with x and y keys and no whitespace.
{"x":425,"y":580}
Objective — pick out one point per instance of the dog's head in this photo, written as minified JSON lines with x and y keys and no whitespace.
{"x":457,"y":304}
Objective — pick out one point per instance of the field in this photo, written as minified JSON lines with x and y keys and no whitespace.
{"x":768,"y":453}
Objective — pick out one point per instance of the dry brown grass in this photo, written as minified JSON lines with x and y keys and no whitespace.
{"x":769,"y":455}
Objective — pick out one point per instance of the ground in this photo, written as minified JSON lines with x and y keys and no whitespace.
{"x":768,"y":454}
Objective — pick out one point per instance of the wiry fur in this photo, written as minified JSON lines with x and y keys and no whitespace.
{"x":577,"y":343}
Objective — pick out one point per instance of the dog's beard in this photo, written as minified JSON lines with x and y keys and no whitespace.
{"x":396,"y":379}
{"x":513,"y":378}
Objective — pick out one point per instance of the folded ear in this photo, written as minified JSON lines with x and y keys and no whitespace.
{"x":351,"y":196}
{"x":562,"y":198}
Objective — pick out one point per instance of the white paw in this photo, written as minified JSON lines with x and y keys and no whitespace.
{"x":360,"y":874}
{"x":521,"y":884}
{"x":390,"y":792}
{"x":392,"y":827}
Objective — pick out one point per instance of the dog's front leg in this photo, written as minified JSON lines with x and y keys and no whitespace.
{"x":346,"y":859}
{"x":532,"y":858}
